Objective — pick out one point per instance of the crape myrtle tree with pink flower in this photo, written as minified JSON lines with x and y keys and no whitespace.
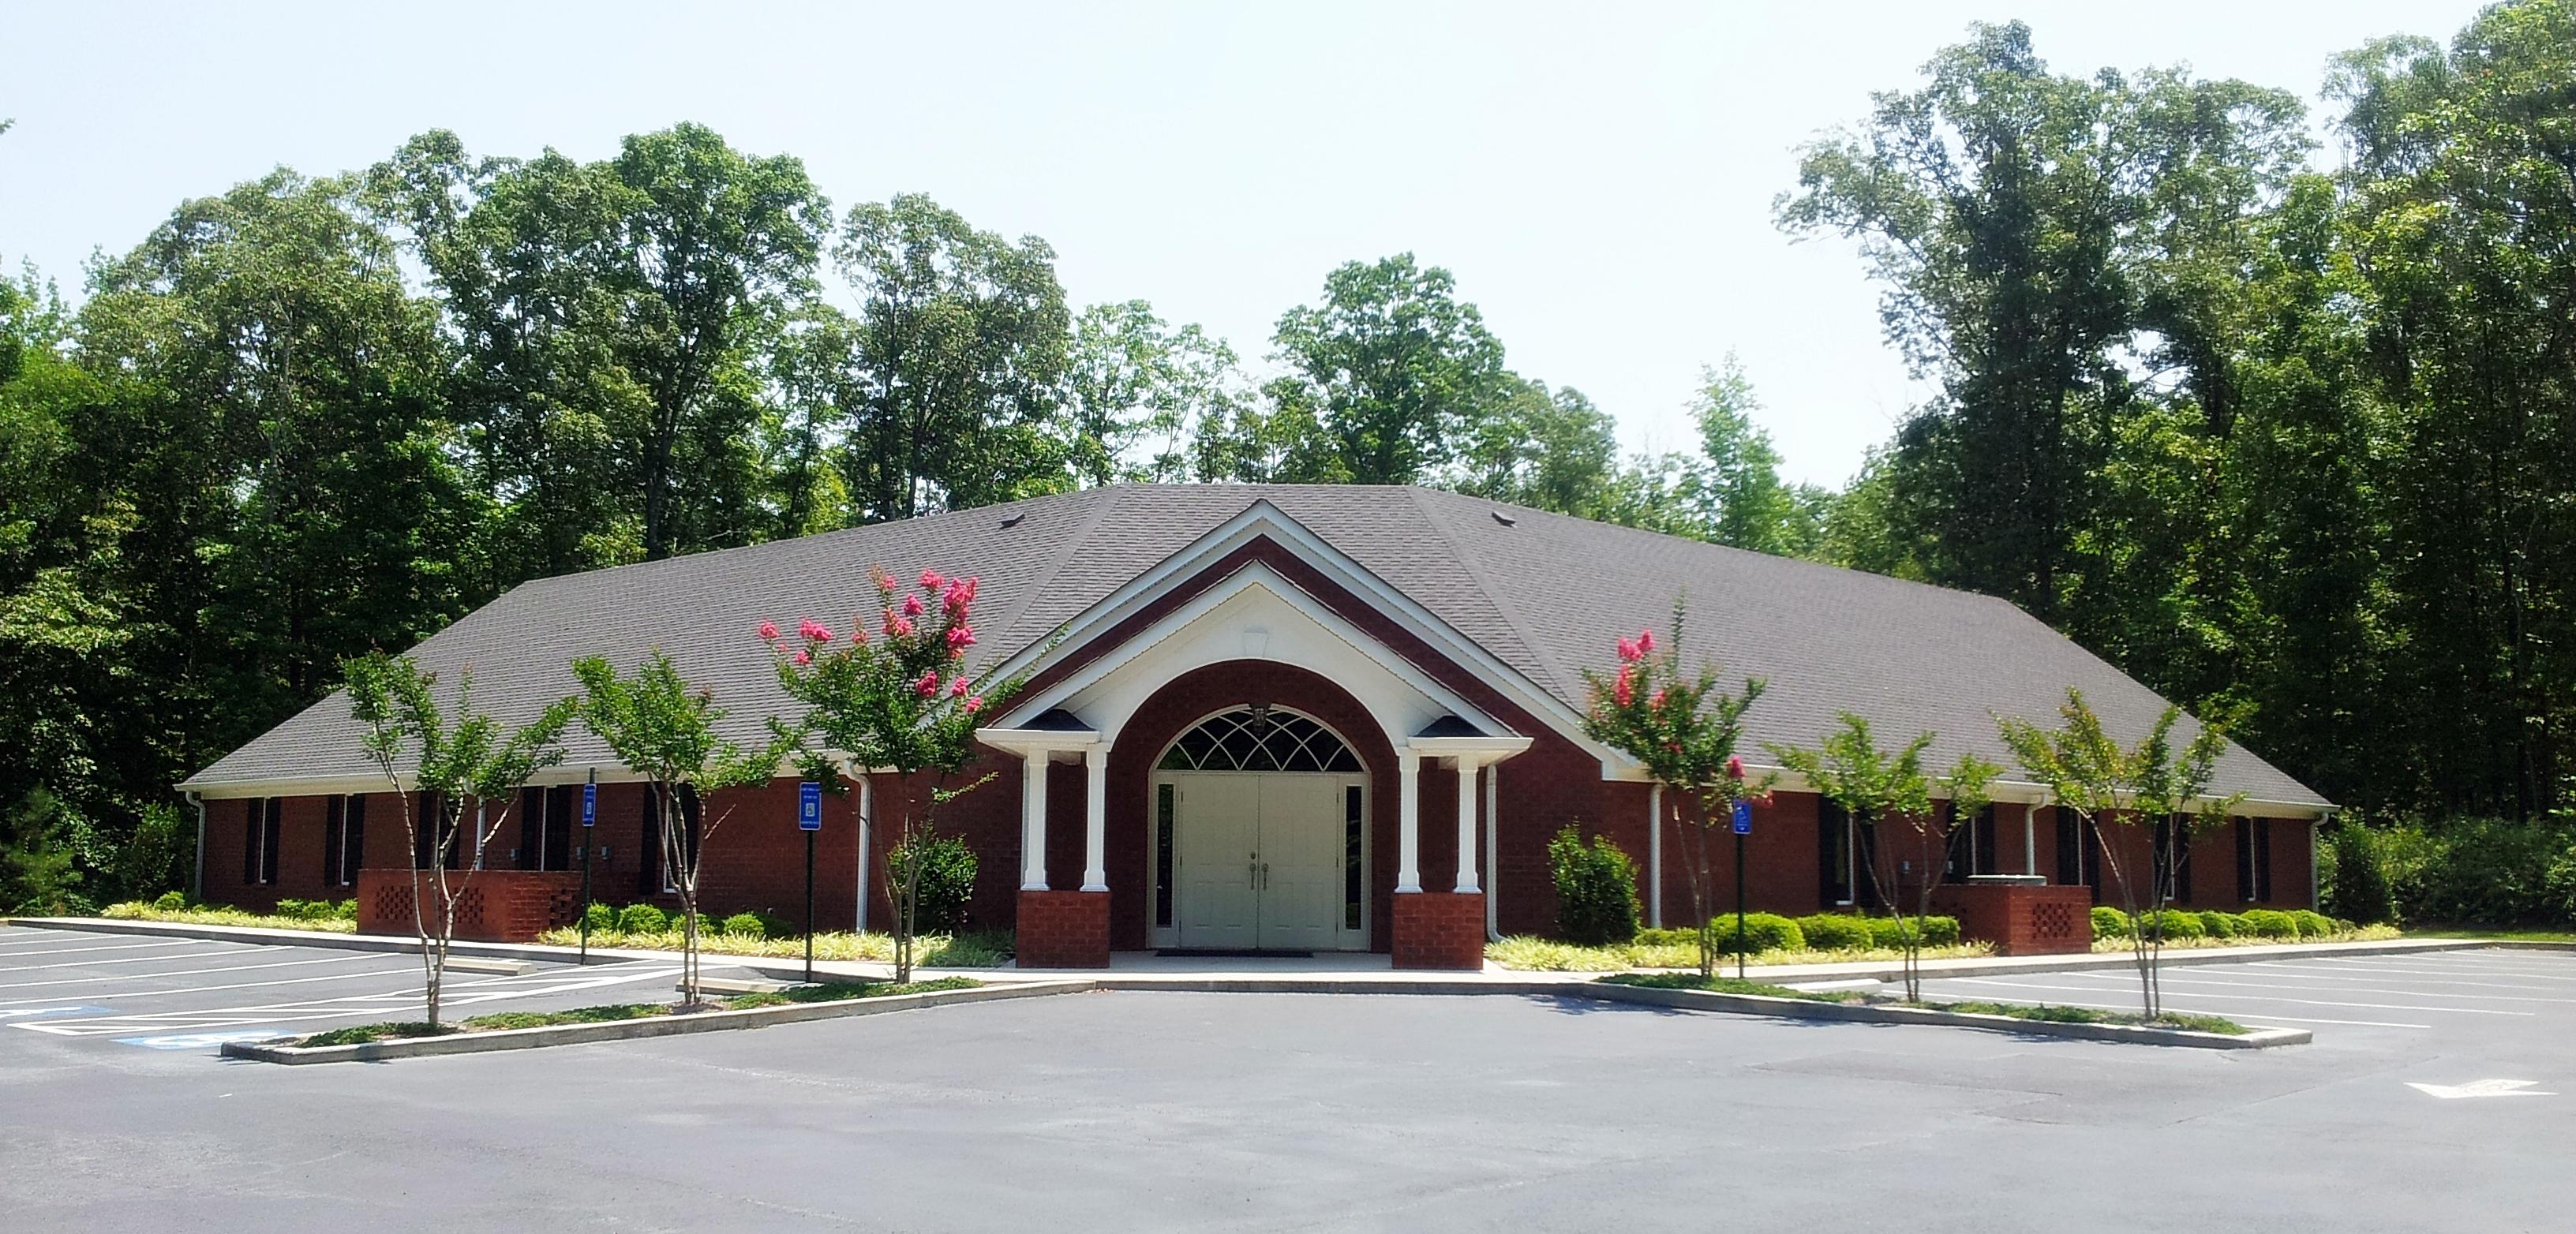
{"x":900,"y":701}
{"x":666,"y":732}
{"x":1684,"y":729}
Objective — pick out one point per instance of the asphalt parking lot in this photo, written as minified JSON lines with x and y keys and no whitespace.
{"x":1169,"y":1111}
{"x":187,"y":996}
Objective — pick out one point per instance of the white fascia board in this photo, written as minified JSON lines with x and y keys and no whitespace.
{"x":1499,"y":748}
{"x":1264,"y":518}
{"x":1027,"y":741}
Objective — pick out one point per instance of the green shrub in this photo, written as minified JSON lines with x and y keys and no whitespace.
{"x":170,"y":902}
{"x":1835,"y":932}
{"x":2480,"y":871}
{"x":2269,"y":923}
{"x":947,"y":889}
{"x":746,"y":925}
{"x":776,"y":925}
{"x":601,"y":918}
{"x":2109,"y":922}
{"x":314,"y":910}
{"x":2311,"y":924}
{"x":2353,"y":873}
{"x":1889,"y":932}
{"x":1596,"y":889}
{"x":2173,"y":923}
{"x":642,"y":919}
{"x":1768,"y":932}
{"x":2221,"y":925}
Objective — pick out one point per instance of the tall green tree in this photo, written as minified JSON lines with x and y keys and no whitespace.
{"x":1551,"y":449}
{"x":956,"y":363}
{"x":1384,"y":372}
{"x":1134,"y":383}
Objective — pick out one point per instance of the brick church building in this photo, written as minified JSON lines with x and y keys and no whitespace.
{"x":1278,"y":719}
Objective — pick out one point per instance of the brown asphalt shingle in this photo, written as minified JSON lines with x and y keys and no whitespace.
{"x":1547,"y":595}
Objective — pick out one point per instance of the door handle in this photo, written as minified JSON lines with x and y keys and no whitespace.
{"x":1252,"y":875}
{"x":1265,"y":876}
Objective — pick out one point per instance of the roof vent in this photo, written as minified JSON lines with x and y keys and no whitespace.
{"x":1505,"y":519}
{"x":1014,"y":520}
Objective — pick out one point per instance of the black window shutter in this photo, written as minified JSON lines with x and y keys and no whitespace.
{"x":561,"y":806}
{"x":2070,"y":848}
{"x":353,"y":824}
{"x":269,"y":827}
{"x":252,"y":811}
{"x":2262,"y":858}
{"x":1833,"y":864}
{"x":1984,"y":838}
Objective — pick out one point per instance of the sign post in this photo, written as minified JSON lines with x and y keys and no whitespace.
{"x":809,"y":819}
{"x":1743,"y":828}
{"x":589,"y":817}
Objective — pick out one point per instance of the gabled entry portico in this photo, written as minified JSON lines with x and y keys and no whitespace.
{"x":1238,"y":756}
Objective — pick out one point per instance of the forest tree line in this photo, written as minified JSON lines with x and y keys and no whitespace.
{"x":2296,"y":447}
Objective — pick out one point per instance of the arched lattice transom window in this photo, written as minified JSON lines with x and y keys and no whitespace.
{"x":1259,"y":739}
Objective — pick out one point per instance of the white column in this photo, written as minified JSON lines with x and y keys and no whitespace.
{"x":2029,"y":837}
{"x":867,"y":819}
{"x":1408,"y":821}
{"x":1467,"y":825}
{"x":1033,"y":786}
{"x":1655,"y":856}
{"x":1095,"y":819}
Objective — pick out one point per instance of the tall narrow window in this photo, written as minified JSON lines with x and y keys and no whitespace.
{"x":649,"y":852}
{"x":256,"y":837}
{"x":430,"y":829}
{"x":688,"y":837}
{"x":1166,"y":826}
{"x":2173,"y":852}
{"x":332,"y":822}
{"x":561,"y":805}
{"x":1833,"y":853}
{"x":2253,"y":860}
{"x":530,"y":852}
{"x":1354,"y":890}
{"x":353,"y":838}
{"x":1982,"y":834}
{"x":2070,"y":849}
{"x":272,"y":815}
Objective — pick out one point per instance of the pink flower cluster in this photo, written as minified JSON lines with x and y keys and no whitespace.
{"x":1632,"y":650}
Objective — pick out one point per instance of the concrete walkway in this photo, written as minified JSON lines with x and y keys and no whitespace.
{"x":1325,"y":972}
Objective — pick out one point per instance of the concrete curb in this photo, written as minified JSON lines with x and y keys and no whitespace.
{"x":637,"y":1029}
{"x":1864,"y":1013}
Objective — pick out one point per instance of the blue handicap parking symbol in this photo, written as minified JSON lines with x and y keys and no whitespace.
{"x":200,"y":1041}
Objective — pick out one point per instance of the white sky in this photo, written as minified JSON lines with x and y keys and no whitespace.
{"x":1599,"y":177}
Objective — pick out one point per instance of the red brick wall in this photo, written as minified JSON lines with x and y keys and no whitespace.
{"x":2021,"y":920}
{"x":1440,"y":929}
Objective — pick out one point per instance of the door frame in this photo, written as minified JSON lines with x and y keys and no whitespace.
{"x":1168,"y":936}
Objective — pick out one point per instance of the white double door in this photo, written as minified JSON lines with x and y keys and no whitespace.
{"x":1261,"y":860}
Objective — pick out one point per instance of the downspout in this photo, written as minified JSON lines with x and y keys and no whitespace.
{"x":2029,"y":837}
{"x":197,"y":881}
{"x":1493,"y":877}
{"x":867,"y":809}
{"x":1655,"y":856}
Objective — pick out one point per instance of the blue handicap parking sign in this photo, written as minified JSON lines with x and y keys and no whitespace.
{"x":809,"y":806}
{"x":1744,"y":818}
{"x":589,"y":804}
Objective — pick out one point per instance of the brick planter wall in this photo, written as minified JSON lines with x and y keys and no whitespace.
{"x":2021,"y":920}
{"x":495,"y":906}
{"x":1064,"y":929}
{"x":1440,"y":929}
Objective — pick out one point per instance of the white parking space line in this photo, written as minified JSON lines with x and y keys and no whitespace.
{"x":190,"y":972}
{"x":239,"y":985}
{"x":2277,"y":974}
{"x":2261,"y":998}
{"x":2331,"y":965}
{"x":350,"y":1007}
{"x":183,"y":942}
{"x":2176,"y":979}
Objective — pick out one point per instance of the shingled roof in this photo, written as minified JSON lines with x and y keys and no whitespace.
{"x":1547,"y":595}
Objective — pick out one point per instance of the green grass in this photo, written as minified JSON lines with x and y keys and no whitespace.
{"x":982,"y":949}
{"x":1524,"y":952}
{"x":829,"y":992}
{"x":1726,"y":985}
{"x":2509,"y":934}
{"x":2092,"y":1015}
{"x":360,"y":1034}
{"x":842,"y":991}
{"x":578,"y":1015}
{"x":136,"y":910}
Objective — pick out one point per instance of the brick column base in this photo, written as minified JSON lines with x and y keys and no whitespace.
{"x":1063,"y":929}
{"x":1440,"y":929}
